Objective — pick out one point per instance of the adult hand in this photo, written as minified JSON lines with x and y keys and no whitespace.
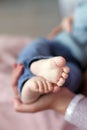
{"x":58,"y":101}
{"x":16,"y":72}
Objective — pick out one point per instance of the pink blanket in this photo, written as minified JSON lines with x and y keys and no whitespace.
{"x":9,"y":119}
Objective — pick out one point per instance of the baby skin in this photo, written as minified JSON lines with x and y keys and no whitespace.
{"x":50,"y":75}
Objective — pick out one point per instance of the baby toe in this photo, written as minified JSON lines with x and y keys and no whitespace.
{"x":35,"y":88}
{"x":45,"y":87}
{"x":61,"y":82}
{"x":40,"y":87}
{"x":50,"y":87}
{"x":66,"y":69}
{"x":64,"y":75}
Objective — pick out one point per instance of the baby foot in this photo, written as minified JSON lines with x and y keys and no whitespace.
{"x":54,"y":69}
{"x":35,"y":87}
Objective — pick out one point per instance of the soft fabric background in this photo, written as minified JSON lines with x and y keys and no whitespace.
{"x":9,"y":119}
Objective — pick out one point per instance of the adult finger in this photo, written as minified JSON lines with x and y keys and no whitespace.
{"x":39,"y":105}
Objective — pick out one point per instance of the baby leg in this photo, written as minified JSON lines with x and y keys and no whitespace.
{"x":36,"y":51}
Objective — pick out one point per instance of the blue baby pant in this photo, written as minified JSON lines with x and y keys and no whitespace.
{"x":72,"y":46}
{"x":43,"y":49}
{"x":76,"y":41}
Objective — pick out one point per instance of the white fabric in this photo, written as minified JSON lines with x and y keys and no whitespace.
{"x":71,"y":108}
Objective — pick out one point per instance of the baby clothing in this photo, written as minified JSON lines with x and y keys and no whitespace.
{"x":72,"y":46}
{"x":76,"y":41}
{"x":44,"y":49}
